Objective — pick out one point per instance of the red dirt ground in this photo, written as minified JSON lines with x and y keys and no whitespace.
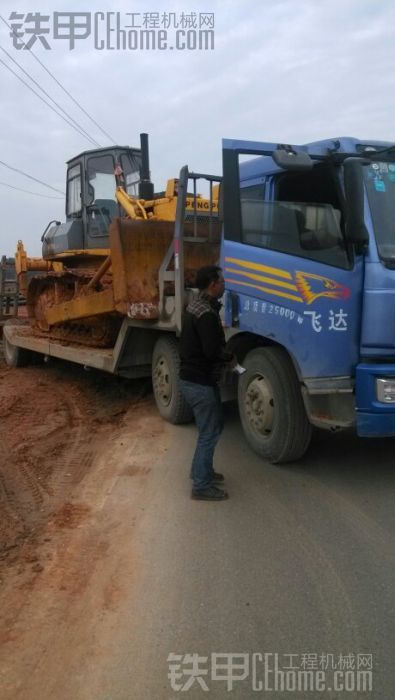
{"x":61,"y":436}
{"x":53,"y":420}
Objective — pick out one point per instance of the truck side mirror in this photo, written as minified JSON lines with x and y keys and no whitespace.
{"x":356,"y":231}
{"x":289,"y":159}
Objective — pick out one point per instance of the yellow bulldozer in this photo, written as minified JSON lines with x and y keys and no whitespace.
{"x":110,"y":288}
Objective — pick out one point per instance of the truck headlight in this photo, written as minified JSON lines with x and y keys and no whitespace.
{"x":385,"y":390}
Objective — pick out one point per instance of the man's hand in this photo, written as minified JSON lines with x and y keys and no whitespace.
{"x":232,"y":363}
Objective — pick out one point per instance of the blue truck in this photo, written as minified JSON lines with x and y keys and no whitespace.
{"x":308,"y":253}
{"x":309,"y":259}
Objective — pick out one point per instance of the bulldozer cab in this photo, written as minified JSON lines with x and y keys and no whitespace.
{"x":91,"y":184}
{"x":91,"y":181}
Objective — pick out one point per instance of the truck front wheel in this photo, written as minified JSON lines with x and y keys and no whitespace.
{"x":271,"y":407}
{"x":166,"y":383}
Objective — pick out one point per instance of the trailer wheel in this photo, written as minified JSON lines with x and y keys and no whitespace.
{"x":166,"y":383}
{"x":15,"y":356}
{"x":271,"y":407}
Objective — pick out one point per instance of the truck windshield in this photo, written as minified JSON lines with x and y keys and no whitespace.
{"x":380,"y":186}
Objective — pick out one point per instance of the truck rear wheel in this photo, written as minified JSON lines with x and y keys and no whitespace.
{"x":271,"y":407}
{"x":15,"y":356}
{"x":166,"y":382}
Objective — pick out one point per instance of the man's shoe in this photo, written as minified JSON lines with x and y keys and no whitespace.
{"x":215,"y":477}
{"x":212,"y":493}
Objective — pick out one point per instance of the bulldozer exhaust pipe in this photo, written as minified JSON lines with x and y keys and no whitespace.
{"x":146,"y":188}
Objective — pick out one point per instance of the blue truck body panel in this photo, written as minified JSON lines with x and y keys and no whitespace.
{"x":295,"y":303}
{"x":378,"y":312}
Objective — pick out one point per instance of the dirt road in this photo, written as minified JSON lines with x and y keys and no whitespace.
{"x":66,"y":436}
{"x":109,"y":569}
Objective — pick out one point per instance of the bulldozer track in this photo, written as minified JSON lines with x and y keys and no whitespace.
{"x":54,"y":289}
{"x":97,"y":334}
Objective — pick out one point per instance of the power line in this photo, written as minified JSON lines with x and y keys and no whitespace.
{"x":21,"y":172}
{"x":46,"y":103}
{"x":58,"y":82}
{"x":46,"y":196}
{"x":49,"y":96}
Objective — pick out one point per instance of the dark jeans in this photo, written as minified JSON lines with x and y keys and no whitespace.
{"x":205,"y":402}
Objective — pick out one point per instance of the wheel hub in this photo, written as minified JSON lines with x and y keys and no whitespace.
{"x":161,"y":381}
{"x":259,"y":405}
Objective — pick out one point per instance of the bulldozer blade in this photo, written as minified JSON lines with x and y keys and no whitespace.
{"x":137,"y":251}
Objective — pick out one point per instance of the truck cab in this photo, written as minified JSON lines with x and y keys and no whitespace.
{"x":309,"y":262}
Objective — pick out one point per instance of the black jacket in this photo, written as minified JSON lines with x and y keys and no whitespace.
{"x":202,"y":343}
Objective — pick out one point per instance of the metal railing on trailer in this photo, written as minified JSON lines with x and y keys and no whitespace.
{"x":9,"y":290}
{"x":175,"y":253}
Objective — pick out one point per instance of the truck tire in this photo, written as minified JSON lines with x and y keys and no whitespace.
{"x":166,"y":383}
{"x":271,"y":406}
{"x":15,"y":356}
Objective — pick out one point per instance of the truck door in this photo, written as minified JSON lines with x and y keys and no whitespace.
{"x":289,"y":274}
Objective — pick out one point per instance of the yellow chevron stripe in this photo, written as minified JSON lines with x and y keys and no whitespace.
{"x":261,"y":278}
{"x":276,"y":292}
{"x":261,"y":268}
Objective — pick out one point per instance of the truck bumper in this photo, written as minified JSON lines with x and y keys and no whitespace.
{"x":374,"y":417}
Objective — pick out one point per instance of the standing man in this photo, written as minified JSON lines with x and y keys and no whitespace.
{"x":203,"y":356}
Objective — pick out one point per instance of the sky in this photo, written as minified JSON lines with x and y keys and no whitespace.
{"x":287,"y":71}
